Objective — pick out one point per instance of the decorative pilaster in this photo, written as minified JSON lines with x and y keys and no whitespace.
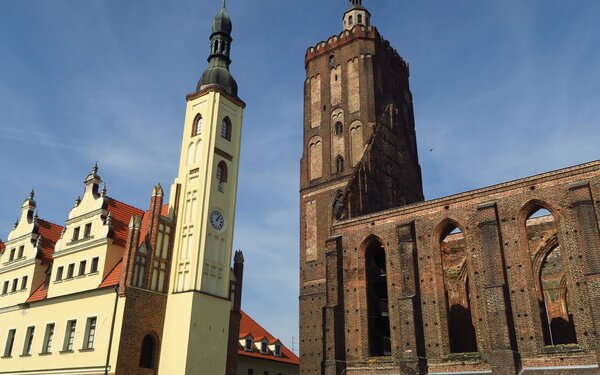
{"x":503,"y":358}
{"x":333,"y":312}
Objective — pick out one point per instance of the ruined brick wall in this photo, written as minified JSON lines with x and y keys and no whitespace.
{"x":501,"y":250}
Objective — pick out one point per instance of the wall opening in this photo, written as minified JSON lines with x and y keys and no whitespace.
{"x":377,"y":300}
{"x":148,"y":352}
{"x":461,"y":329}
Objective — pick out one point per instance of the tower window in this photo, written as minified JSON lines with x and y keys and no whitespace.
{"x":350,"y":21}
{"x":339,"y":128}
{"x":221,"y":175}
{"x":360,"y":18}
{"x":339,"y":164}
{"x":197,"y":127}
{"x":147,"y":352}
{"x":226,"y":129}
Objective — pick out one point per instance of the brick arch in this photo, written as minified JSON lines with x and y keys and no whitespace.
{"x":152,"y":361}
{"x":444,"y":228}
{"x":533,"y":205}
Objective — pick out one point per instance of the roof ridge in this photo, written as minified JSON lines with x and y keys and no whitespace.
{"x":258,"y":324}
{"x":51,"y":223}
{"x":126,"y":204}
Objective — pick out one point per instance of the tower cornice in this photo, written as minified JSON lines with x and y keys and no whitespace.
{"x":219,"y":89}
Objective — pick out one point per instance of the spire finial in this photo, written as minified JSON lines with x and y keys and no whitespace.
{"x":95,"y":168}
{"x":35,"y":216}
{"x":103,"y":192}
{"x":32,"y":194}
{"x":223,"y":5}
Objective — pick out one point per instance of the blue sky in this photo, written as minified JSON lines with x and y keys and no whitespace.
{"x":502,"y":89}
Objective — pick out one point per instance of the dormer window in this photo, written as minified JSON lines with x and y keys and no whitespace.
{"x":263,"y":347}
{"x":248,"y":346}
{"x":277,"y":350}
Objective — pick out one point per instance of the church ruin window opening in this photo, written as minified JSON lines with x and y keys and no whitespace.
{"x":461,"y":327}
{"x":377,"y":300}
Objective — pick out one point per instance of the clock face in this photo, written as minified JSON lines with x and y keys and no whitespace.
{"x":217,"y":220}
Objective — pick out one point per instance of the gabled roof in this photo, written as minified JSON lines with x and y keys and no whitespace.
{"x":113,"y":276}
{"x":121,"y":214}
{"x":147,"y":217}
{"x":39,"y":294}
{"x":250,"y":327}
{"x":50,"y":234}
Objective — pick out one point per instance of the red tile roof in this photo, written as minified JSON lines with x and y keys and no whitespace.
{"x":39,"y":294}
{"x":50,"y":234}
{"x":250,"y":327}
{"x":113,"y":276}
{"x":1,"y":247}
{"x":121,"y":214}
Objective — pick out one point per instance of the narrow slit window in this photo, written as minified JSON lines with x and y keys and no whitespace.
{"x":221,"y":175}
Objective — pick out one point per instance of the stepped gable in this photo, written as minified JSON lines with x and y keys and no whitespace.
{"x":50,"y":233}
{"x":249,"y":326}
{"x":121,"y":214}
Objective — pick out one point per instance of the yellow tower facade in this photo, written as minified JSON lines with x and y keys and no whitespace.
{"x":204,"y":195}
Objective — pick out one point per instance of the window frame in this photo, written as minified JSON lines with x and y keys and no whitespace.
{"x":94,"y":264}
{"x":10,"y":343}
{"x":70,"y":271}
{"x":28,"y":342}
{"x":82,"y":268}
{"x":70,"y":332}
{"x":48,"y":338}
{"x":89,"y":339}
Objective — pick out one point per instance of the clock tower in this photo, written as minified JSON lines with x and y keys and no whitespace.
{"x":204,"y":195}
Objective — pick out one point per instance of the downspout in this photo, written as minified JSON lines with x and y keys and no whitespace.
{"x":112,"y":330}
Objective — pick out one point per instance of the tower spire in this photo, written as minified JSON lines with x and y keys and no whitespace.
{"x":219,"y":59}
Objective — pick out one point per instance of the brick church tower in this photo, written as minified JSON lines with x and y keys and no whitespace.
{"x":360,"y":156}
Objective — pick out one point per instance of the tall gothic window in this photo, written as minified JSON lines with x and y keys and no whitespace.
{"x":339,"y":164}
{"x":377,"y":300}
{"x":140,"y":267}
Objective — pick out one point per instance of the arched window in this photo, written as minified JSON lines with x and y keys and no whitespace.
{"x":197,"y":127}
{"x":339,"y":128}
{"x":221,"y":175}
{"x":337,"y":205}
{"x":350,"y":20}
{"x":226,"y":129}
{"x":461,"y":329}
{"x":377,"y":300}
{"x":360,"y":18}
{"x":147,"y":354}
{"x":550,"y":269}
{"x":140,"y":266}
{"x":339,"y":164}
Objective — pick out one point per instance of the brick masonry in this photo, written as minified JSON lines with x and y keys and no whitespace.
{"x":471,"y":302}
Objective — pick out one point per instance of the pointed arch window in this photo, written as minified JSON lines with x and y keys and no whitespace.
{"x":197,"y":127}
{"x":339,"y":128}
{"x":221,"y":175}
{"x":377,"y":300}
{"x":147,"y":353}
{"x":339,"y":164}
{"x":226,"y":129}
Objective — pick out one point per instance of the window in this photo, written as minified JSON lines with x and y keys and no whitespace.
{"x":59,"y":273}
{"x":14,"y":285}
{"x":70,"y":335}
{"x":76,"y":233}
{"x":90,"y":333}
{"x":12,"y":255}
{"x":48,"y":338}
{"x":5,"y":287}
{"x":10,"y":341}
{"x":263,"y":347}
{"x":94,"y":266}
{"x":377,"y":299}
{"x":226,"y":129}
{"x":339,"y":164}
{"x":221,"y":175}
{"x":139,"y":270}
{"x":277,"y":349}
{"x":70,"y":270}
{"x":197,"y":126}
{"x":248,"y":346}
{"x":350,"y":21}
{"x":339,"y":128}
{"x":28,"y":341}
{"x":147,"y":353}
{"x":21,"y":251}
{"x":24,"y":283}
{"x":87,"y":232}
{"x":82,"y":266}
{"x":360,"y":18}
{"x":250,"y":371}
